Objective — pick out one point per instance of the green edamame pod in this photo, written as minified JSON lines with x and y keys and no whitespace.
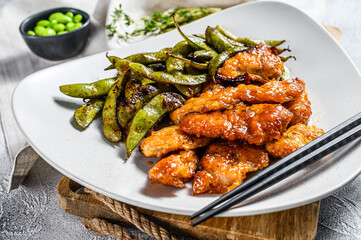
{"x":200,"y":66}
{"x":195,"y":42}
{"x":86,"y":113}
{"x":111,"y":128}
{"x":149,"y":58}
{"x":146,"y":117}
{"x":131,"y":105}
{"x":217,"y":40}
{"x":286,"y":73}
{"x":120,"y":64}
{"x":202,"y":55}
{"x":249,"y":41}
{"x":163,"y":77}
{"x":202,"y":36}
{"x":218,"y":61}
{"x":110,"y":67}
{"x":146,"y":81}
{"x":174,"y":65}
{"x":88,"y":90}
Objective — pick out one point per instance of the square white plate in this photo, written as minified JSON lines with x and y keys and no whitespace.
{"x":45,"y":115}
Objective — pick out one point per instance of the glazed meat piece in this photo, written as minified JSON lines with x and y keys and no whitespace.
{"x":300,"y":106}
{"x":271,"y":92}
{"x":175,"y":169}
{"x":259,"y":63}
{"x":170,"y":139}
{"x":294,"y":138}
{"x":225,"y":164}
{"x":257,"y":124}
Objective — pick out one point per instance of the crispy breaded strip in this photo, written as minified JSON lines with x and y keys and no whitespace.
{"x":170,"y":139}
{"x":259,"y":61}
{"x":175,"y":169}
{"x":300,"y":106}
{"x":292,"y":139}
{"x":271,"y":92}
{"x":225,"y":164}
{"x":257,"y":124}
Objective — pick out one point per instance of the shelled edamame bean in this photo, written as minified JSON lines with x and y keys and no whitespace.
{"x":57,"y":23}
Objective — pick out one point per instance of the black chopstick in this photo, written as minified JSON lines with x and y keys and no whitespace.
{"x":310,"y":153}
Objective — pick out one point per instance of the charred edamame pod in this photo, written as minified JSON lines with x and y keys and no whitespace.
{"x":145,"y":118}
{"x":111,"y":128}
{"x":131,"y":105}
{"x":132,"y":84}
{"x":249,"y":41}
{"x":88,"y":90}
{"x":86,"y":113}
{"x":163,"y":77}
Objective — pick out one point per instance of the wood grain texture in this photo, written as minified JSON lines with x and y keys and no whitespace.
{"x":297,"y":223}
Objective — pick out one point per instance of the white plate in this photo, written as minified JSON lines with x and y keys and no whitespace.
{"x":45,"y":116}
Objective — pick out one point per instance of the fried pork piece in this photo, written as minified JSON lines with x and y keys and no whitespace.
{"x":225,"y":164}
{"x":170,"y":139}
{"x":257,"y":124}
{"x":220,"y":99}
{"x":259,"y":63}
{"x":300,"y":106}
{"x":294,"y":138}
{"x":174,"y":169}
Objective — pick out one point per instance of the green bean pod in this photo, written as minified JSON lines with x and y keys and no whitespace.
{"x":111,"y":128}
{"x":88,"y":90}
{"x":148,"y":116}
{"x":218,"y":61}
{"x":150,"y":57}
{"x":163,"y":77}
{"x":86,"y":113}
{"x":200,"y":66}
{"x":131,"y":105}
{"x":249,"y":41}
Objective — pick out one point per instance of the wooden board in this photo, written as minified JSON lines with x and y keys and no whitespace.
{"x":296,"y":223}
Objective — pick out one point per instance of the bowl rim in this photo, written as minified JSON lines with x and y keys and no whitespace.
{"x":48,"y":11}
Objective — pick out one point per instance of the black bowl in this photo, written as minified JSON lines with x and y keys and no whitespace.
{"x":57,"y":47}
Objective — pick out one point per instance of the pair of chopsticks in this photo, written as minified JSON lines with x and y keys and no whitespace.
{"x":327,"y":143}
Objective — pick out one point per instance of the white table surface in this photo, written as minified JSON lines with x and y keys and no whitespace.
{"x":32,"y":211}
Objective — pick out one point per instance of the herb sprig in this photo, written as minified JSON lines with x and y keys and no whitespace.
{"x":158,"y":23}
